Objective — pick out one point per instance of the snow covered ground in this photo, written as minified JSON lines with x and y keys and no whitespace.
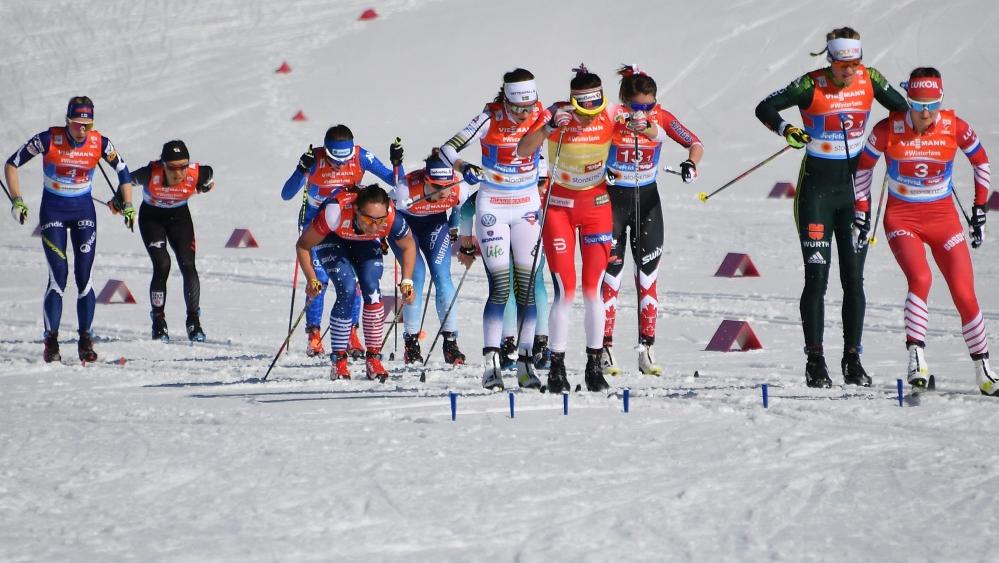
{"x":177,"y":456}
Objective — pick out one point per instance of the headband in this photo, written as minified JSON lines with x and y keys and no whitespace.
{"x":520,"y":92}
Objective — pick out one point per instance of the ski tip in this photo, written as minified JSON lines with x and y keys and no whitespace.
{"x":423,"y":377}
{"x":931,"y":383}
{"x":579,"y":387}
{"x":696,"y":373}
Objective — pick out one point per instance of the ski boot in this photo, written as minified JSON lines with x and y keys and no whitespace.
{"x":315,"y":347}
{"x":159,"y":326}
{"x":594,"y":374}
{"x":508,"y":353}
{"x":853,"y":372}
{"x":373,"y":366}
{"x":354,"y":346}
{"x":557,"y":380}
{"x":540,"y":353}
{"x":85,"y":347}
{"x":816,"y":372}
{"x":608,"y":364}
{"x":452,"y":354}
{"x":411,"y":354}
{"x":988,"y":381}
{"x":919,"y":372}
{"x":51,"y":353}
{"x":526,"y":377}
{"x":341,"y":367}
{"x":646,"y":363}
{"x":491,"y":375}
{"x":193,"y":324}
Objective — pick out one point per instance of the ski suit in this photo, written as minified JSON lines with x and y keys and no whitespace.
{"x":823,"y":205}
{"x":68,"y":172}
{"x":351,"y":258}
{"x":507,"y":213}
{"x":919,"y":212}
{"x":636,"y":192}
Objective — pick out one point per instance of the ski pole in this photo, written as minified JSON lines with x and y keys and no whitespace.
{"x":447,"y":314}
{"x":395,"y":291}
{"x":637,"y":231}
{"x":395,"y":321}
{"x":11,"y":198}
{"x":877,"y":218}
{"x":286,"y":340}
{"x":426,"y":304}
{"x":967,"y":218}
{"x":671,"y":170}
{"x":294,"y":279}
{"x":706,"y":196}
{"x":106,"y":179}
{"x":537,"y":244}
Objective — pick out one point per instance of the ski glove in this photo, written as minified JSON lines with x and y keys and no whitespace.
{"x":796,"y":137}
{"x":977,"y":224}
{"x":471,"y":173}
{"x":128,"y":212}
{"x":638,"y":122}
{"x":406,"y":291}
{"x":19,"y":211}
{"x":561,"y":118}
{"x":207,"y":180}
{"x":307,"y":161}
{"x":117,"y":203}
{"x":313,"y":288}
{"x":395,"y":152}
{"x":861,"y":229}
{"x":688,"y":171}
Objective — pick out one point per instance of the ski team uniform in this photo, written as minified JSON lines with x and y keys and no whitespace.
{"x":164,"y":218}
{"x":578,"y":200}
{"x":325,"y":180}
{"x":350,"y":258}
{"x":919,"y":212}
{"x":431,"y":228}
{"x":647,"y":243}
{"x":507,"y":215}
{"x":68,"y":172}
{"x":824,"y":202}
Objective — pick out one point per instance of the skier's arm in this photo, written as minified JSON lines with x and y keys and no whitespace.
{"x":877,"y":141}
{"x":798,"y":93}
{"x":884,"y":93}
{"x":293,"y":184}
{"x":371,"y":163}
{"x":474,"y":130}
{"x":112,"y":157}
{"x":39,"y":144}
{"x":313,"y":235}
{"x":972,"y":147}
{"x":537,"y":134}
{"x":683,"y":136}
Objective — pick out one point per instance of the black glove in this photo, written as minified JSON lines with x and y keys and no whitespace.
{"x":307,"y":161}
{"x":977,"y":224}
{"x":395,"y":152}
{"x":385,"y":246}
{"x":453,"y":234}
{"x":688,"y":171}
{"x":117,"y":203}
{"x":861,"y":229}
{"x":471,"y":173}
{"x":206,"y":180}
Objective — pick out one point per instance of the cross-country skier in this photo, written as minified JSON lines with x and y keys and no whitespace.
{"x":323,"y":172}
{"x":641,"y":123}
{"x":164,"y":218}
{"x":580,"y":132}
{"x":919,"y":147}
{"x":70,"y":155}
{"x":507,"y":214}
{"x":832,"y":100}
{"x":424,"y":200}
{"x":345,"y":238}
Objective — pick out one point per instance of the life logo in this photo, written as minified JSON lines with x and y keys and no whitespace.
{"x":488,"y":220}
{"x":494,"y":251}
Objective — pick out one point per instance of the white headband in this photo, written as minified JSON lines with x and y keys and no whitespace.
{"x":843,"y":49}
{"x":520,"y":92}
{"x":590,"y":95}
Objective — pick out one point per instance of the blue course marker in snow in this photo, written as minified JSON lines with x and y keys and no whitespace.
{"x":454,"y":405}
{"x":511,"y":404}
{"x":565,"y":403}
{"x":899,"y":383}
{"x":766,"y":396}
{"x":627,"y":397}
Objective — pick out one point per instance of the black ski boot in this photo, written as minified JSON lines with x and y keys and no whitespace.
{"x":86,"y":348}
{"x":194,"y":332}
{"x":594,"y":371}
{"x":540,"y":353}
{"x":816,"y":372}
{"x":508,"y":353}
{"x":557,"y":380}
{"x":411,"y":354}
{"x":853,"y":371}
{"x":159,"y":326}
{"x":51,"y":353}
{"x":452,"y":354}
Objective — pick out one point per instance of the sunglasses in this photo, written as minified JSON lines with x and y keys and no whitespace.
{"x":641,"y":107}
{"x":80,"y":125}
{"x":846,"y":64}
{"x":176,"y":167}
{"x":443,"y":186}
{"x":369,"y":220}
{"x":519,"y":110}
{"x":919,"y":107}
